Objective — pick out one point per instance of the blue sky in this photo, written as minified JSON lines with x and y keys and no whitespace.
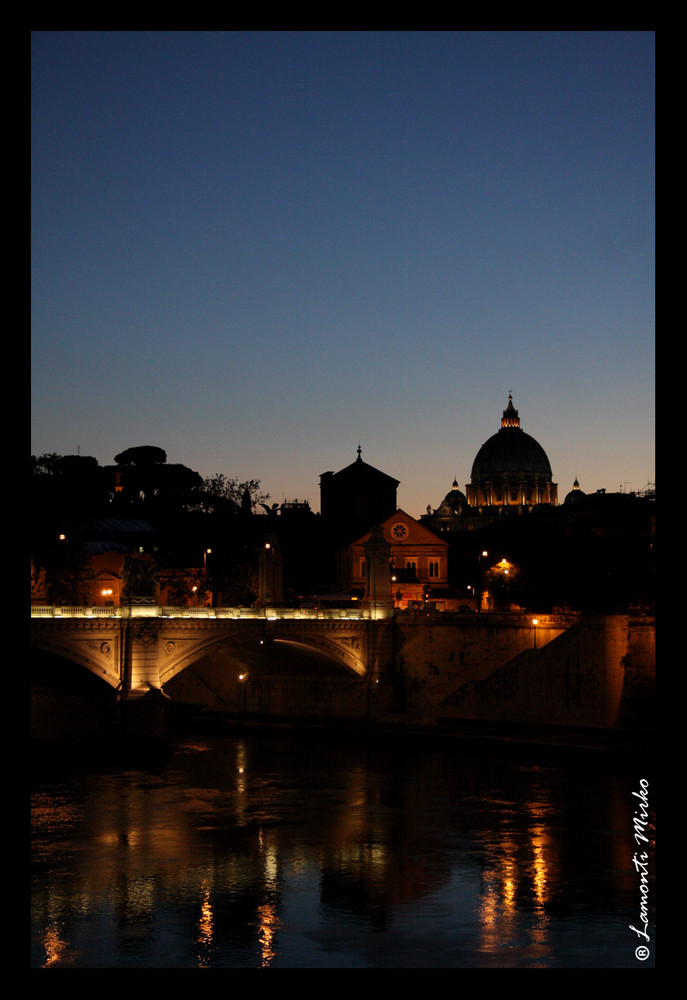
{"x":257,"y":250}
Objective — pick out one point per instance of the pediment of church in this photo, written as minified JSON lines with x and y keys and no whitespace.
{"x":402,"y":529}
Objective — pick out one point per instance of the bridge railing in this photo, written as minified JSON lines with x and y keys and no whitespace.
{"x":164,"y":611}
{"x":512,"y":619}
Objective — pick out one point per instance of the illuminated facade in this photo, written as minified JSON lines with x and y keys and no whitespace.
{"x":418,"y":562}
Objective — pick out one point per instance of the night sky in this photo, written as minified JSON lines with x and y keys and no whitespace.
{"x":258,"y":250}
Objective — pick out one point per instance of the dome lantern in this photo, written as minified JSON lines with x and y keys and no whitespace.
{"x":510,"y":416}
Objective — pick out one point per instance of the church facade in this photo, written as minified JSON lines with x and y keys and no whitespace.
{"x":418,"y":562}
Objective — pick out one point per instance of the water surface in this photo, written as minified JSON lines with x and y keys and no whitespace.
{"x":274,"y":851}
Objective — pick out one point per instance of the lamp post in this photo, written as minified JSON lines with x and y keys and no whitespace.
{"x":63,"y":538}
{"x":65,"y":582}
{"x":535,"y":622}
{"x":480,"y":578}
{"x":206,"y":553}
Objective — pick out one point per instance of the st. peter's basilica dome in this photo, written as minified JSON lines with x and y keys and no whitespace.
{"x":511,"y":468}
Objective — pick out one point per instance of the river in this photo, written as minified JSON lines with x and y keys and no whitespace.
{"x":280,"y":850}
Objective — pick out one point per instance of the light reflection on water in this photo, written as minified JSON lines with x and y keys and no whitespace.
{"x":274,"y":852}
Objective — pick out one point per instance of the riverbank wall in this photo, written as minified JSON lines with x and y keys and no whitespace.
{"x":595,"y":672}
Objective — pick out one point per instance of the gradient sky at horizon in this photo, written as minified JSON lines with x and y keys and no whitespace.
{"x":258,"y":250}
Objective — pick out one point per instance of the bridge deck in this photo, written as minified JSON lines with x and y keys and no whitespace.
{"x":518,"y":618}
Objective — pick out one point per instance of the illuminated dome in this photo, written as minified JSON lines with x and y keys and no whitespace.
{"x":511,"y":468}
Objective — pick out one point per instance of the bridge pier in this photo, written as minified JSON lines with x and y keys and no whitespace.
{"x":141,"y":659}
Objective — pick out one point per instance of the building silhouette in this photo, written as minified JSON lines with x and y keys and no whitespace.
{"x":355,"y":499}
{"x":593,"y":551}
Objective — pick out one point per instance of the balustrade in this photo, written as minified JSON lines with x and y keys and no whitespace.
{"x":163,"y":611}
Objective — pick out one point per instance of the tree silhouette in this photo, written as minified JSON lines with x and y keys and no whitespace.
{"x":145,"y":454}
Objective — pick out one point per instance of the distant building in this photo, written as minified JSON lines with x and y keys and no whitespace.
{"x":511,"y":469}
{"x":575,"y":494}
{"x":418,"y":564}
{"x":453,"y":513}
{"x":511,"y":473}
{"x":93,"y":553}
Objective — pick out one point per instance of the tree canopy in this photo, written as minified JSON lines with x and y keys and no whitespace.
{"x":224,"y":494}
{"x":144,"y":454}
{"x":143,"y":480}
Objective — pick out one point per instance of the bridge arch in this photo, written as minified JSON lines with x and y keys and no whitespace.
{"x":176,"y":656}
{"x":71,"y":700}
{"x":247,"y":672}
{"x":183,"y":647}
{"x":339,"y":654}
{"x":99,"y":652}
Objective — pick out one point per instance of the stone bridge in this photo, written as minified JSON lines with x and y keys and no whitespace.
{"x":136,"y":649}
{"x":563,"y":670}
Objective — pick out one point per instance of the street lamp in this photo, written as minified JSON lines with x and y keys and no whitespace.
{"x":480,"y":577}
{"x":535,"y":622}
{"x":206,"y":553}
{"x":63,"y":538}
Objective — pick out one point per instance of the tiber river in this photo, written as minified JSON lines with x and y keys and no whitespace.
{"x":273,"y":850}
